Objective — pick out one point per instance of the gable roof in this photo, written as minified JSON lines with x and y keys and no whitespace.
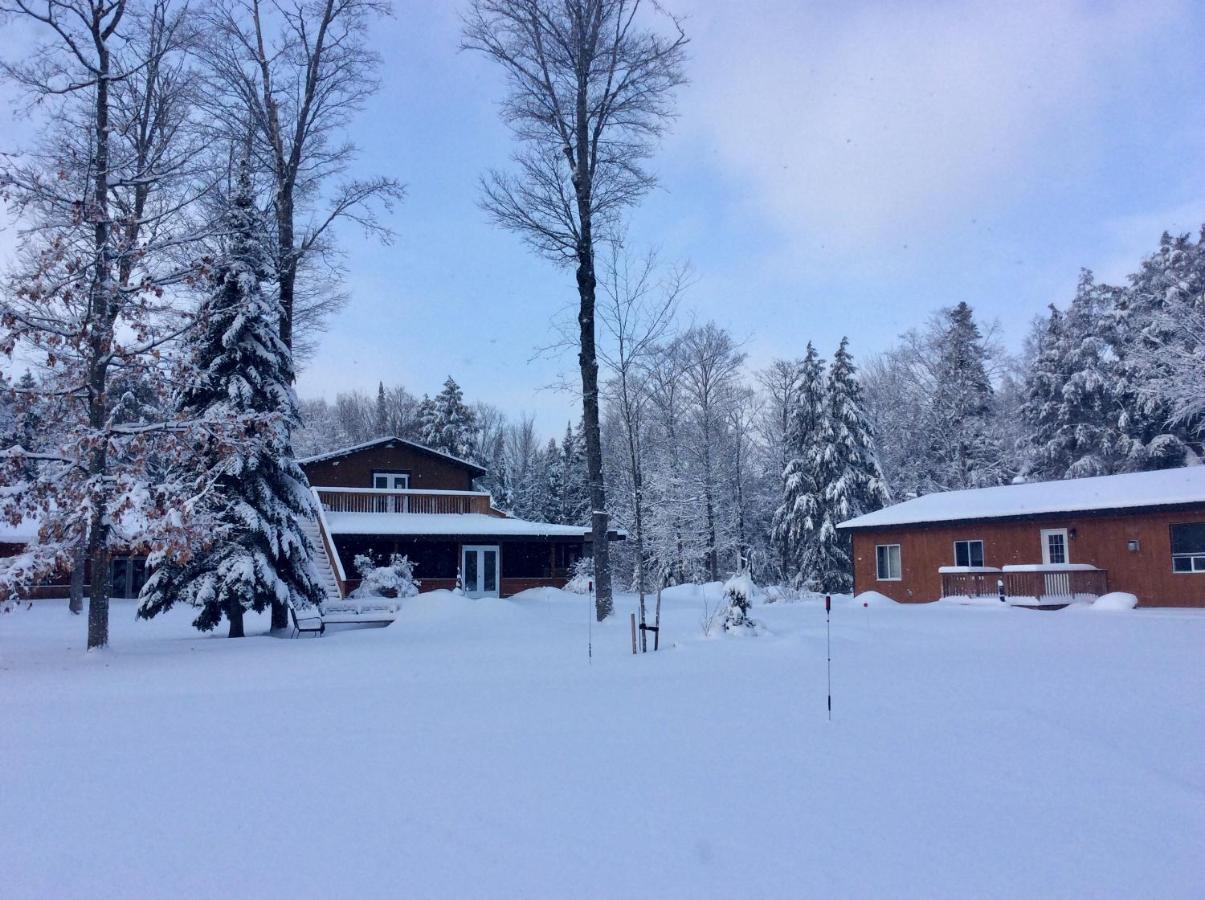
{"x":376,"y":442}
{"x":1138,"y":490}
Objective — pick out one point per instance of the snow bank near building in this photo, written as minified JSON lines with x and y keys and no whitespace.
{"x":873,"y":599}
{"x":1117,"y":600}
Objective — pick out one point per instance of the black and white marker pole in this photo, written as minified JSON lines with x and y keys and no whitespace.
{"x":828,"y":647}
{"x":590,"y":623}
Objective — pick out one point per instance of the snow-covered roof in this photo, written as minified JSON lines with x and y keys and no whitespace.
{"x":1167,"y":487}
{"x":375,"y":442}
{"x":446,"y":524}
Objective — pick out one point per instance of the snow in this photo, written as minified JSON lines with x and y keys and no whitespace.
{"x":1115,"y":601}
{"x":1051,"y":567}
{"x":966,"y":570}
{"x":1167,"y":487}
{"x":24,"y":533}
{"x":873,"y":599}
{"x":477,"y":524}
{"x":469,"y":748}
{"x":366,"y":445}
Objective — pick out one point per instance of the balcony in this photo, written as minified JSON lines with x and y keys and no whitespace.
{"x":1027,"y":585}
{"x":375,"y":500}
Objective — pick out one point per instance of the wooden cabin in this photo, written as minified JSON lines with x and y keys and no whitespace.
{"x":392,"y":495}
{"x":1141,"y":533}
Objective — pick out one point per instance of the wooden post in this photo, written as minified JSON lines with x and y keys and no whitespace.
{"x":657,"y":619}
{"x":633,"y":634}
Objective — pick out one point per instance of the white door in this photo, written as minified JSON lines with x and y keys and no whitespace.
{"x":1054,"y":553}
{"x":391,"y":481}
{"x":479,"y":569}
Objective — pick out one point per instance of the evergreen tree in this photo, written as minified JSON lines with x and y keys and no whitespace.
{"x":964,"y":452}
{"x":448,"y":424}
{"x":1084,"y":403}
{"x":381,"y":412}
{"x":257,"y":496}
{"x":575,"y":488}
{"x":797,"y":518}
{"x":848,"y":471}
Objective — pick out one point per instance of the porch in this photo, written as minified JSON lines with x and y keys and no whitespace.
{"x":1040,"y":586}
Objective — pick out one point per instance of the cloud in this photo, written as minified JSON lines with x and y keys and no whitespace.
{"x":851,"y":122}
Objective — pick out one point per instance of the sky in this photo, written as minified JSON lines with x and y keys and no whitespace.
{"x":836,"y":169}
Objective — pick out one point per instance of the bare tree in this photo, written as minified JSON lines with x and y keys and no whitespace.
{"x":104,"y":221}
{"x":294,"y":72}
{"x":637,"y":310}
{"x":590,"y":93}
{"x":711,"y":364}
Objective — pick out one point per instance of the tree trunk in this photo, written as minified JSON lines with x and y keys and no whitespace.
{"x":234,"y":612}
{"x":101,"y":314}
{"x":76,"y":595}
{"x":599,"y":520}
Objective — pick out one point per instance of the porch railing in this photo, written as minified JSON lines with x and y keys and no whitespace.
{"x":372,"y":500}
{"x":1040,"y":582}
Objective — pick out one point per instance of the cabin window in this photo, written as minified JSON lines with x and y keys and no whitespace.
{"x":968,"y":553}
{"x":391,"y":481}
{"x":887,"y":562}
{"x":1188,"y":548}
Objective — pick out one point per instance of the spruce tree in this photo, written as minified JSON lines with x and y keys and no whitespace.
{"x":846,"y":468}
{"x":963,"y":449}
{"x":257,"y":496}
{"x":797,"y":516}
{"x":448,"y":423}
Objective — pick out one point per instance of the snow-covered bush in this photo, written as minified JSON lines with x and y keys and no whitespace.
{"x":583,"y":575}
{"x":396,"y":579}
{"x":738,"y":592}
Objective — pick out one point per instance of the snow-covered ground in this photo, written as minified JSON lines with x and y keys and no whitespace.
{"x":470,"y":750}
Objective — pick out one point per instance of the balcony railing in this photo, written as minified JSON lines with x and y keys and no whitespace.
{"x":373,"y":500}
{"x":1043,"y":583}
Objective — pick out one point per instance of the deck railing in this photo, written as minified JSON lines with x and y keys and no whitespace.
{"x":1039,"y":582}
{"x":372,"y":500}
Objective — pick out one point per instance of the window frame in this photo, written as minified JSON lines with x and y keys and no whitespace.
{"x":390,"y":473}
{"x":899,"y":562}
{"x":1194,"y":558}
{"x":970,"y":563}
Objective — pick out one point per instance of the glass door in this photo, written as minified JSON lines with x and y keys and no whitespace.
{"x":479,"y":570}
{"x":1054,"y":553}
{"x":391,"y":481}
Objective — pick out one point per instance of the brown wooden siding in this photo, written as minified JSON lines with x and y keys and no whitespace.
{"x":354,"y":470}
{"x":1100,"y":540}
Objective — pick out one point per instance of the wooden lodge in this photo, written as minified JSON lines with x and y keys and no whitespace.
{"x":392,"y":495}
{"x":1042,"y":543}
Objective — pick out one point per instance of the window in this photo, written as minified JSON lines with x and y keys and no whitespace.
{"x":887,"y":561}
{"x":1188,"y":548}
{"x":968,"y":553}
{"x":391,"y":481}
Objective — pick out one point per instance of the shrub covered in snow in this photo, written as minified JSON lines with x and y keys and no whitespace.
{"x":738,"y":592}
{"x":396,"y":579}
{"x":583,"y":574}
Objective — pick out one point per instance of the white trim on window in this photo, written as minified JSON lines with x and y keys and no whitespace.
{"x":893,"y":560}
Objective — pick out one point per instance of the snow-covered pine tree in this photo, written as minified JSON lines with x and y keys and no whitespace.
{"x":848,"y":470}
{"x":963,"y":450}
{"x":575,"y":484}
{"x":242,"y":372}
{"x":795,"y":520}
{"x":1153,"y":314}
{"x":448,"y":424}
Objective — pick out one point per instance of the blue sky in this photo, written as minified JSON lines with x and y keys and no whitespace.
{"x":837,"y":168}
